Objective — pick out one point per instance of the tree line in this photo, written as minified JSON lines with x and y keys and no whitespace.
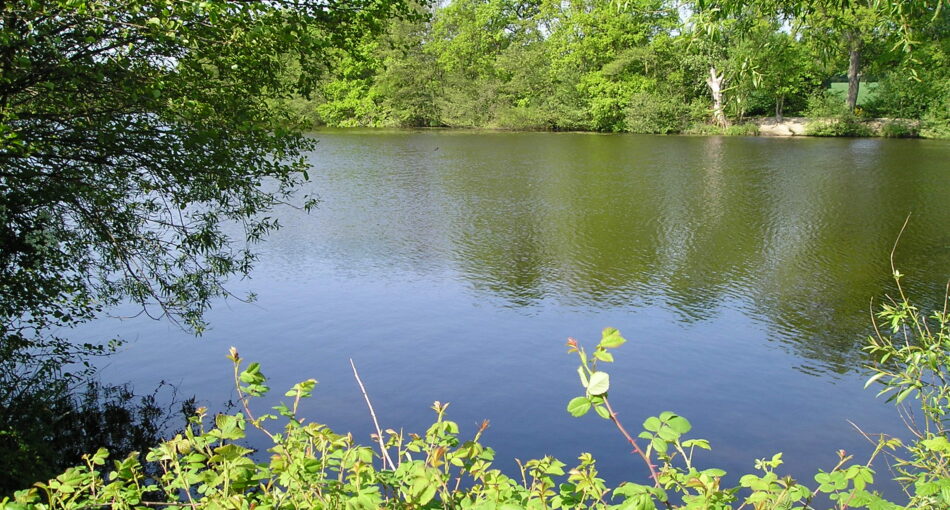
{"x":649,"y":66}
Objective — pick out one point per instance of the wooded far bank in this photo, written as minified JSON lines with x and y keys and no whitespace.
{"x":645,"y":66}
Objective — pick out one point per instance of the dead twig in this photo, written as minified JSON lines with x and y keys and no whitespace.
{"x":379,"y":433}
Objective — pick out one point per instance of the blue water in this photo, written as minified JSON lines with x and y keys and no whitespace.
{"x":453,"y":266}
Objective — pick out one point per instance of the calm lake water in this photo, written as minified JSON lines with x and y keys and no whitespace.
{"x":453,"y":266}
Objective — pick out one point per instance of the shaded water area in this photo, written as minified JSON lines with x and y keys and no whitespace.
{"x":453,"y":266}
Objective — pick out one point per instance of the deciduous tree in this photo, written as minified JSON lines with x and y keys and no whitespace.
{"x":133,"y":135}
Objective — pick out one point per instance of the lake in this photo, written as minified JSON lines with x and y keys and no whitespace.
{"x":453,"y":266}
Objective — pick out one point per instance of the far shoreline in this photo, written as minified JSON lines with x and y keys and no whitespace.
{"x":787,"y":127}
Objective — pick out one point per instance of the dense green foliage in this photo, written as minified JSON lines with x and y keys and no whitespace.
{"x":311,"y":466}
{"x":131,"y":133}
{"x":643,"y":66}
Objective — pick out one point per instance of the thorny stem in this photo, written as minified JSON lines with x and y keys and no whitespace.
{"x":244,"y":403}
{"x":877,"y":450}
{"x":840,"y":463}
{"x":633,"y":442}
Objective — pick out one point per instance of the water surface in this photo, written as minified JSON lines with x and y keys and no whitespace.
{"x":453,"y":266}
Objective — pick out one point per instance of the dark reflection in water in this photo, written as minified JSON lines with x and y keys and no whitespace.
{"x":799,"y":230}
{"x":453,"y":265}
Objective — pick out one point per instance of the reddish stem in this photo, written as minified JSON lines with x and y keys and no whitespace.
{"x":636,"y":447}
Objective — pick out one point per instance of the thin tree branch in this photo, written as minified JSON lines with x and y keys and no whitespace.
{"x":379,"y":433}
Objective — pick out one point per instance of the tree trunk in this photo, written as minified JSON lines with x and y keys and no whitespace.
{"x":715,"y":82}
{"x":779,"y":107}
{"x":854,"y":67}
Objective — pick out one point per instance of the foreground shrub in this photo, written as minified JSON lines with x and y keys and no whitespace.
{"x":911,"y":352}
{"x":310,"y":466}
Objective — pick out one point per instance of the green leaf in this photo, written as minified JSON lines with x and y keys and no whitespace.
{"x":873,"y":378}
{"x":701,"y":443}
{"x":578,"y":406}
{"x":599,"y":383}
{"x":679,"y":424}
{"x":603,"y":412}
{"x":936,"y":444}
{"x":904,"y":394}
{"x":748,"y":480}
{"x":252,"y":374}
{"x":604,"y":356}
{"x":304,"y":389}
{"x":668,"y":434}
{"x":99,"y":458}
{"x":230,"y":452}
{"x":583,"y":376}
{"x":555,"y":469}
{"x":652,"y":424}
{"x":610,"y":338}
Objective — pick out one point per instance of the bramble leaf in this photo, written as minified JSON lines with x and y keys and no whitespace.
{"x":610,"y":338}
{"x":599,"y":383}
{"x":578,"y":406}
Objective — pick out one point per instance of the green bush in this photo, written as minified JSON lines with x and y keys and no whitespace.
{"x":310,"y":466}
{"x":932,"y":126}
{"x":523,"y":117}
{"x":830,"y":117}
{"x":899,"y":129}
{"x":303,"y":112}
{"x":651,"y":113}
{"x":746,"y":129}
{"x":607,"y":101}
{"x":349,"y":103}
{"x":663,"y":114}
{"x":844,"y":125}
{"x":702,"y":128}
{"x":825,"y":104}
{"x":936,"y":121}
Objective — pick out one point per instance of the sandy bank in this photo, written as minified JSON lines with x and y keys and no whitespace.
{"x":795,"y":126}
{"x":789,"y":126}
